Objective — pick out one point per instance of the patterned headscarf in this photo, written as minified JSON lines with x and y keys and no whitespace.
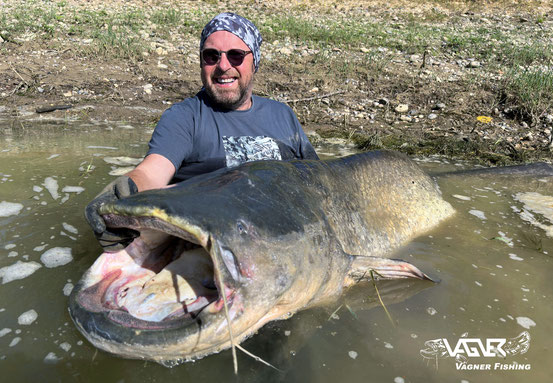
{"x":239,"y":26}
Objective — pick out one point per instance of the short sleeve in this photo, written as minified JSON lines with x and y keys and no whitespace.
{"x":173,"y":137}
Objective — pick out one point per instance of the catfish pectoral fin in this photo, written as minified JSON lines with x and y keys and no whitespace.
{"x":387,"y":268}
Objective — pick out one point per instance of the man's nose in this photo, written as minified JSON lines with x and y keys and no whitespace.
{"x":224,"y":64}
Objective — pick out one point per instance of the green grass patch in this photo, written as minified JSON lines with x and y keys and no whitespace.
{"x":532,"y":89}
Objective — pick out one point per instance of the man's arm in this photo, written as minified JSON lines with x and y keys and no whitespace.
{"x":154,"y":172}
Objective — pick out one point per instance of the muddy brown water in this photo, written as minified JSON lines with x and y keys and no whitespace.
{"x":493,"y":259}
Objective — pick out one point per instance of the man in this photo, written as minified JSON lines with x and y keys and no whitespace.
{"x":223,"y":125}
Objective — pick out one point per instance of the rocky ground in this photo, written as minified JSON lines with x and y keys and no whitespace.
{"x":413,"y":97}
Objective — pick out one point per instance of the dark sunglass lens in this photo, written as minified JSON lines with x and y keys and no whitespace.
{"x":236,"y":57}
{"x":211,"y":56}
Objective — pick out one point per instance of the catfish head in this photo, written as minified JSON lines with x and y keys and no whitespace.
{"x":251,"y":238}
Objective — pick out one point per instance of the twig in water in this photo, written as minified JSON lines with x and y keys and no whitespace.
{"x":351,"y":311}
{"x":335,"y":311}
{"x":257,"y":358}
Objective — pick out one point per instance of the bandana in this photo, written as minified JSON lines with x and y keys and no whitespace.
{"x":239,"y":26}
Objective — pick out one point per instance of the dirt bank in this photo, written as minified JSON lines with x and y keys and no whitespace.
{"x":429,"y":92}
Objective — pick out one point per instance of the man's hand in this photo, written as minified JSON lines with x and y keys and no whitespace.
{"x":112,"y":239}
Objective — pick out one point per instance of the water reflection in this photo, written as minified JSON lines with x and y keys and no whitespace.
{"x":494,"y":264}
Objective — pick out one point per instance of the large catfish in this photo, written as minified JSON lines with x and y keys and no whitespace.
{"x":234,"y":249}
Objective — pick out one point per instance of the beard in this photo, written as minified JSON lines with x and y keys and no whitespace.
{"x":229,"y":99}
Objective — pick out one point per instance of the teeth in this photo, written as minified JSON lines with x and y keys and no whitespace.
{"x":225,"y":80}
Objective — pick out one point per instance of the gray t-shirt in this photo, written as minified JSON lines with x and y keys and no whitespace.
{"x":198,"y":138}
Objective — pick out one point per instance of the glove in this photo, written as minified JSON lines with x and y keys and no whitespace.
{"x":112,"y":239}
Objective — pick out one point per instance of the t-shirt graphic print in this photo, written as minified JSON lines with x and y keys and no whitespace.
{"x":247,"y":148}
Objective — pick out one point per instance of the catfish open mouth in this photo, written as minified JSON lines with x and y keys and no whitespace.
{"x":163,"y":278}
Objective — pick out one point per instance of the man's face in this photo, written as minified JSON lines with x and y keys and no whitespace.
{"x":228,"y":86}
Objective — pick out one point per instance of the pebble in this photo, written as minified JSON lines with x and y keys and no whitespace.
{"x":432,"y":116}
{"x":148,"y":88}
{"x":473,"y":64}
{"x":402,"y":108}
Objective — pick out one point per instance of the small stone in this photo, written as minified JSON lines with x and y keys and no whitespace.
{"x":148,"y":88}
{"x":402,"y":108}
{"x":406,"y":118}
{"x":40,"y":90}
{"x":161,"y":66}
{"x":473,"y":64}
{"x":439,"y":106}
{"x":432,"y":116}
{"x":68,"y":94}
{"x":549,"y":118}
{"x":414,"y":58}
{"x":285,"y":51}
{"x":325,"y":101}
{"x":383,"y":101}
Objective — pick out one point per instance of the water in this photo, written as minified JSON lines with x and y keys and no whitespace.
{"x":493,"y":261}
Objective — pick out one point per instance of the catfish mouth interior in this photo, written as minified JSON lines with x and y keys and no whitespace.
{"x":165,"y":276}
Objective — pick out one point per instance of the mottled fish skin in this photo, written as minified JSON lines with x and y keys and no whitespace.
{"x":282,"y":236}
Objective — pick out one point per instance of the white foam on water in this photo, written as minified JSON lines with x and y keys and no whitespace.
{"x":27,"y":317}
{"x":399,"y":379}
{"x":352,"y":354}
{"x":515,"y":257}
{"x":65,"y":346}
{"x":461,"y":197}
{"x":52,"y":186}
{"x":9,"y":208}
{"x":70,"y":228}
{"x":478,"y":283}
{"x":431,"y":310}
{"x":101,"y":147}
{"x":123,"y":161}
{"x":73,"y":189}
{"x":10,"y":246}
{"x":53,"y":156}
{"x":63,"y":233}
{"x":15,"y":341}
{"x":41,"y":247}
{"x":526,"y":322}
{"x":67,"y":289}
{"x":539,"y":204}
{"x":51,"y":358}
{"x":478,"y":213}
{"x":287,"y":333}
{"x":57,"y":256}
{"x":18,"y":270}
{"x":12,"y":254}
{"x":388,"y":345}
{"x":5,"y":331}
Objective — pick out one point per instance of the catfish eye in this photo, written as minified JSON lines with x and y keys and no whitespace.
{"x":241,"y":228}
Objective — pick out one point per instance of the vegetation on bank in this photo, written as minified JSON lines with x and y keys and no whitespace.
{"x":515,"y":59}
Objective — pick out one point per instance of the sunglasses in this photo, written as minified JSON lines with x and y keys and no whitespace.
{"x":234,"y":56}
